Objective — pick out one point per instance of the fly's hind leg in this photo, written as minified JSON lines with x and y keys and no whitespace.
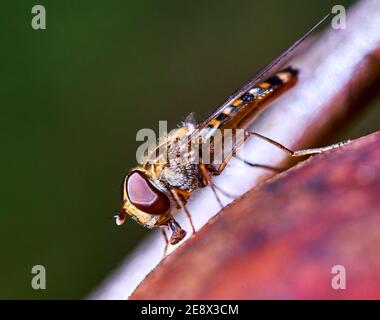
{"x":296,"y":153}
{"x":261,"y":166}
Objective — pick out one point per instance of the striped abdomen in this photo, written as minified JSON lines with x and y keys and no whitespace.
{"x":248,"y":104}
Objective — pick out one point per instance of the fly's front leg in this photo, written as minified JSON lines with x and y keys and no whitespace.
{"x":177,"y":232}
{"x":296,"y":153}
{"x":166,"y":241}
{"x":182,"y":204}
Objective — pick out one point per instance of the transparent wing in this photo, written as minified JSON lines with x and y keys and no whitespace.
{"x":262,"y":73}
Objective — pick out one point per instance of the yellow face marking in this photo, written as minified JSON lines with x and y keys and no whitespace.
{"x":264,"y":85}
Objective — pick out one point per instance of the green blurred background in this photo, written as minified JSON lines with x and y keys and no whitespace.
{"x":73,"y":97}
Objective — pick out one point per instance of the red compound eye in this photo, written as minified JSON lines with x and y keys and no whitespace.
{"x":144,"y":196}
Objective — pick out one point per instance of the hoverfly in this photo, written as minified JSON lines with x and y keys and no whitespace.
{"x":156,"y":189}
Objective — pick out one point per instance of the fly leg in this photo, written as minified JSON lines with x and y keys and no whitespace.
{"x":222,"y":166}
{"x":296,"y":153}
{"x":166,"y":241}
{"x":182,"y":204}
{"x":261,"y":166}
{"x":227,"y":194}
{"x":207,"y":172}
{"x":207,"y":181}
{"x":177,"y":232}
{"x":213,"y":170}
{"x":218,"y":170}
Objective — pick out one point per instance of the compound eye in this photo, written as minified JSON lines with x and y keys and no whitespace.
{"x":144,"y":196}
